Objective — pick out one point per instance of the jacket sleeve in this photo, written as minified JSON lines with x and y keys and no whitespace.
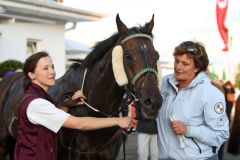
{"x":215,"y":129}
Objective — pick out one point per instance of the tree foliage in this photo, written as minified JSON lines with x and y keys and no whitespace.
{"x":10,"y":64}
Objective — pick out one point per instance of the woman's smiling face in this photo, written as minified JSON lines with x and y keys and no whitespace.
{"x":44,"y":73}
{"x":184,"y":68}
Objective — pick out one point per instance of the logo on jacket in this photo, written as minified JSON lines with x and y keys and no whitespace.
{"x":219,"y":108}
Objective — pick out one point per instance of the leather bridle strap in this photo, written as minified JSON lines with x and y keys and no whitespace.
{"x":141,"y":35}
{"x":143,"y":71}
{"x":87,"y":104}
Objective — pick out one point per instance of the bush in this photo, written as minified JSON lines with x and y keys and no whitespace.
{"x":8,"y":65}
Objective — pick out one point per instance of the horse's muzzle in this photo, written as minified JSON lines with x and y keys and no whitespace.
{"x":150,"y":106}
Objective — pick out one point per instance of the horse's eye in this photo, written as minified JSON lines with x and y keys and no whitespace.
{"x":128,"y":57}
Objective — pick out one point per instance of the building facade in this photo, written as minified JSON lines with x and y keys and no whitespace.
{"x":28,"y":26}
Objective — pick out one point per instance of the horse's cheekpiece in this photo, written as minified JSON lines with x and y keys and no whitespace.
{"x":218,"y":108}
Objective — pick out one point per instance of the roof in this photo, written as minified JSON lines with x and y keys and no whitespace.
{"x":74,"y":47}
{"x":43,"y":12}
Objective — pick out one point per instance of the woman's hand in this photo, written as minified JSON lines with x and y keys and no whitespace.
{"x":126,"y":122}
{"x":78,"y":96}
{"x":179,"y":128}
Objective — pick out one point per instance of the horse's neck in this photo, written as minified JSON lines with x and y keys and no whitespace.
{"x":102,"y":88}
{"x":70,"y":81}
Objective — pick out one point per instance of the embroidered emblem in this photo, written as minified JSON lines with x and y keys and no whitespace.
{"x":219,"y":108}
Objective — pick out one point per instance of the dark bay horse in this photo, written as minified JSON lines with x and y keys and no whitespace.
{"x":234,"y":140}
{"x":124,"y":64}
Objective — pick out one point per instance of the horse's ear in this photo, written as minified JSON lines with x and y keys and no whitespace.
{"x":122,"y":28}
{"x":149,"y":26}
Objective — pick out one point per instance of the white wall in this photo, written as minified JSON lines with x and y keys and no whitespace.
{"x":14,"y":38}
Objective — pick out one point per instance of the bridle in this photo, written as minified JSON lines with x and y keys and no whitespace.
{"x":131,"y":97}
{"x":144,"y":48}
{"x":147,"y":69}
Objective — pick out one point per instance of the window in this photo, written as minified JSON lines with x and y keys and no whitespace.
{"x":31,"y":47}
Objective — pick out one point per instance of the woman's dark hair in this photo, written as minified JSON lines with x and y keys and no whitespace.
{"x":30,"y":65}
{"x":196,"y":50}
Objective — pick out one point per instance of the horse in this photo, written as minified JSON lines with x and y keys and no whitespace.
{"x":234,"y":140}
{"x":124,"y":65}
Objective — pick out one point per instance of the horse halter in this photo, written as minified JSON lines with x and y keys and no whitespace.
{"x":145,"y":70}
{"x":130,"y":95}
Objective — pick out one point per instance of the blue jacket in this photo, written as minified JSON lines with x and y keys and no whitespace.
{"x":201,"y":107}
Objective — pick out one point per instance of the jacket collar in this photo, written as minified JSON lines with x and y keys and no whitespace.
{"x":200,"y":78}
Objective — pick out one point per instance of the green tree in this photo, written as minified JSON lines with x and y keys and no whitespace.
{"x":10,"y":64}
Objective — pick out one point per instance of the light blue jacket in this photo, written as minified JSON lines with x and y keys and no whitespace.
{"x":201,"y":107}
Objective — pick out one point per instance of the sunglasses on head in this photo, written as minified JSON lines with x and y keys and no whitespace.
{"x":189,"y":47}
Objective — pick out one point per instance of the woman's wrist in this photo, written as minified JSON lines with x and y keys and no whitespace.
{"x":115,"y":121}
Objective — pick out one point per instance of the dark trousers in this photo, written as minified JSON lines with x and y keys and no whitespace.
{"x":215,"y":157}
{"x":220,"y":152}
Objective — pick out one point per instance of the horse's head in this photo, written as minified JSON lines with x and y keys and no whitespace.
{"x":136,"y":67}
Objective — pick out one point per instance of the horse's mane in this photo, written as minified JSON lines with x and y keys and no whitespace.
{"x":101,"y":48}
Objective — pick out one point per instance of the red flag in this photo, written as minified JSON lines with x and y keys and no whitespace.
{"x":221,"y":12}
